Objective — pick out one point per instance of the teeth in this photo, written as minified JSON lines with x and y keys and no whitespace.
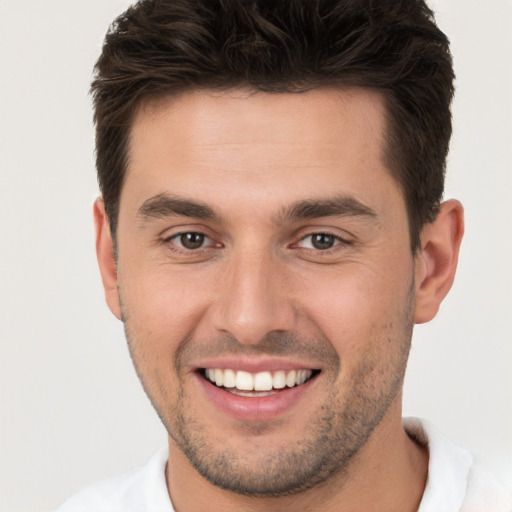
{"x":262,"y":381}
{"x":300,"y":379}
{"x":290,"y":378}
{"x":279,"y":380}
{"x":244,"y":381}
{"x":229,"y":379}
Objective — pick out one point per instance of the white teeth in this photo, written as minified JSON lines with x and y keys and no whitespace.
{"x":261,"y":381}
{"x":229,"y":379}
{"x":290,"y":378}
{"x":302,"y":376}
{"x":219,"y":374}
{"x":244,"y":381}
{"x":279,"y":380}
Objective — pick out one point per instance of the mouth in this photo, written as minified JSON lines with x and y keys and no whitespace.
{"x":256,"y":385}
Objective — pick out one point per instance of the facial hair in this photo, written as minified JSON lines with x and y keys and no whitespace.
{"x":344,"y":421}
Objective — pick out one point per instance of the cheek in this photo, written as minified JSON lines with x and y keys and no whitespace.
{"x":159,"y":313}
{"x":162,"y":306}
{"x":357,"y":306}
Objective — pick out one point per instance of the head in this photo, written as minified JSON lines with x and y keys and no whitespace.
{"x":164,"y":48}
{"x":271,"y":223}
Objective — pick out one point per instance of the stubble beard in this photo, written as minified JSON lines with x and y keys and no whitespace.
{"x":328,"y":448}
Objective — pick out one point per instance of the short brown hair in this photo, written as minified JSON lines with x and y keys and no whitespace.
{"x":165,"y":47}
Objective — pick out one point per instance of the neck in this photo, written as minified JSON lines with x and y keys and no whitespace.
{"x":387,"y":474}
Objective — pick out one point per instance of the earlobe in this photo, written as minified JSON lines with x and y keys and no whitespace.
{"x":436,"y":260}
{"x":106,"y":259}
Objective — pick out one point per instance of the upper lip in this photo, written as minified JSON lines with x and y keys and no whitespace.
{"x":254,"y":365}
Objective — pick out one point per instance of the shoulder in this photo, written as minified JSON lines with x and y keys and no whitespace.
{"x":489,"y":486}
{"x":458,"y":480}
{"x":143,"y":488}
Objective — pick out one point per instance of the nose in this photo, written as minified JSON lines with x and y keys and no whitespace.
{"x":253,"y":299}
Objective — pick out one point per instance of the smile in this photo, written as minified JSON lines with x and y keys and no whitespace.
{"x":257,"y":390}
{"x":264,"y":383}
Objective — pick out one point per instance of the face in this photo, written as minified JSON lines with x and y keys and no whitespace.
{"x":265,"y":281}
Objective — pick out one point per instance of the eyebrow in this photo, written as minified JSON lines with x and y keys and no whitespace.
{"x":165,"y":205}
{"x":337,"y":206}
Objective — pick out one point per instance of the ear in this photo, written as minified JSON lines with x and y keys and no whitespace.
{"x":436,"y":260}
{"x":106,"y":260}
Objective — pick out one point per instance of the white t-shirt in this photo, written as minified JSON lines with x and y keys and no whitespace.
{"x":455,"y":483}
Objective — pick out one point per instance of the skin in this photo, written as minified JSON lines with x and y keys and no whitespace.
{"x":259,"y":289}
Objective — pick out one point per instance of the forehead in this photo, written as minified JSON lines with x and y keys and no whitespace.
{"x":255,"y":146}
{"x":206,"y":117}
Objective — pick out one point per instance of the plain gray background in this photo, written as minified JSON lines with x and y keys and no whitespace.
{"x":71,"y":408}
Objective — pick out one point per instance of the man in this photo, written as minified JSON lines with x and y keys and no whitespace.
{"x":270,"y":229}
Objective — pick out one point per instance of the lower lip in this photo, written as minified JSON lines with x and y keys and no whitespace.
{"x":261,"y":408}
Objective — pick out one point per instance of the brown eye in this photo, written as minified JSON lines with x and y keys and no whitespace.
{"x":190,"y":241}
{"x":323,"y":241}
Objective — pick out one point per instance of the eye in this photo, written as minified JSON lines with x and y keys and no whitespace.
{"x":320,"y":241}
{"x":190,"y":241}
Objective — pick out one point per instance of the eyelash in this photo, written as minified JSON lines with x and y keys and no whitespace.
{"x":338,"y":241}
{"x":173,"y":245}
